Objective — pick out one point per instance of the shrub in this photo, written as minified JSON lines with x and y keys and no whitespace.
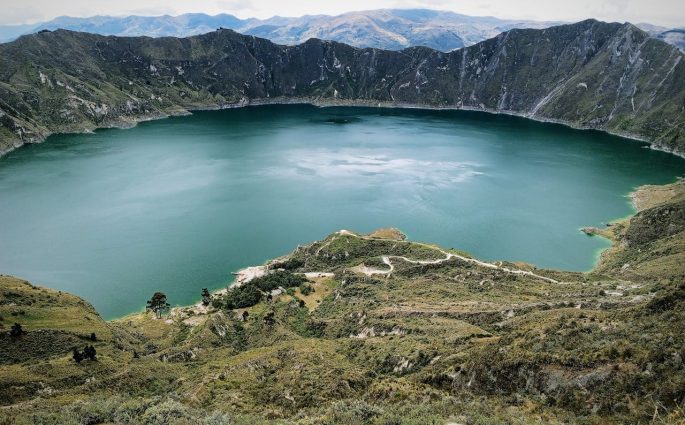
{"x":242,"y":297}
{"x":217,"y":418}
{"x":93,"y":411}
{"x":128,"y":411}
{"x":16,"y":330}
{"x":90,"y":352}
{"x":354,"y":412}
{"x":291,"y":264}
{"x":275,"y":280}
{"x":166,"y":413}
{"x":206,"y":297}
{"x":77,"y":355}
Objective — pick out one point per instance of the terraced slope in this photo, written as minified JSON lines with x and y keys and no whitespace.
{"x":436,"y":337}
{"x":611,"y":77}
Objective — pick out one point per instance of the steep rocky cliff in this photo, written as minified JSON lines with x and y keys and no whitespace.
{"x":612,"y":77}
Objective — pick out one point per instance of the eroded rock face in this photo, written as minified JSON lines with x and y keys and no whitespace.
{"x":590,"y":74}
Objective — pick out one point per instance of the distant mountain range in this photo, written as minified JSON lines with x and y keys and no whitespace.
{"x":390,"y":29}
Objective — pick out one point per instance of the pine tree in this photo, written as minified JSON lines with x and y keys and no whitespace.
{"x":270,"y":319}
{"x":158,"y":304}
{"x":206,"y":297}
{"x":89,"y":352}
{"x":16,"y":330}
{"x":77,"y":355}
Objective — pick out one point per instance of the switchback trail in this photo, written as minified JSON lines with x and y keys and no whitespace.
{"x":387,"y":259}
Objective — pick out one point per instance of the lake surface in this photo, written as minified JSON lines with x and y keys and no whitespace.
{"x":178,"y":204}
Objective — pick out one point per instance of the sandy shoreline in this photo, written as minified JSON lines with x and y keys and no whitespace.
{"x":242,"y":276}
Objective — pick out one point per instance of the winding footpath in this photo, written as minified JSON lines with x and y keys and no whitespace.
{"x":448,"y":256}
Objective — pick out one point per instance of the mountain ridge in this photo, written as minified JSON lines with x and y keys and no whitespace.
{"x":381,"y":28}
{"x":606,"y":76}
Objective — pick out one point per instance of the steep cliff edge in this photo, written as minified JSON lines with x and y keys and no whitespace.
{"x":591,"y":74}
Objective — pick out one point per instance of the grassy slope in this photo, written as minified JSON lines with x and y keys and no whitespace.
{"x":453,"y":341}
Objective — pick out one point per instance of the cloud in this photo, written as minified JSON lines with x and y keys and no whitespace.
{"x":235,"y":4}
{"x":154,"y":11}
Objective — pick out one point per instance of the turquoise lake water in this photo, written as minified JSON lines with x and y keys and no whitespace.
{"x":178,"y":204}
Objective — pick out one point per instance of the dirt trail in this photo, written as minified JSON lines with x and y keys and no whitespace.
{"x":448,"y":256}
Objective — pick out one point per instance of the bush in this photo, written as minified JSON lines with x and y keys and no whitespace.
{"x":217,"y":418}
{"x":166,"y":413}
{"x":291,"y":264}
{"x":129,"y":410}
{"x":93,"y":411}
{"x":243,"y":296}
{"x":354,"y":412}
{"x":306,"y":290}
{"x":275,"y":280}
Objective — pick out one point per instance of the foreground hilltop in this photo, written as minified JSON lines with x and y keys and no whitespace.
{"x":591,"y":74}
{"x":376,"y":329}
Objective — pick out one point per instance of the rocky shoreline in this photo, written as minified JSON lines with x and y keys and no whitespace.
{"x":326,"y":103}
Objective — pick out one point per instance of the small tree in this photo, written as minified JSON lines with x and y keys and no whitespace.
{"x":245,"y":315}
{"x":135,"y":354}
{"x":206,"y":297}
{"x":270,"y":319}
{"x":77,"y":355}
{"x":158,"y":304}
{"x":89,"y":352}
{"x":16,"y":330}
{"x":93,"y":337}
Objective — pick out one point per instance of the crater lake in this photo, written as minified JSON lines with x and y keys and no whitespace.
{"x":179,"y":204}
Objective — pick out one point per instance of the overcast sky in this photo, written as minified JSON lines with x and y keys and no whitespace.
{"x":662,"y":12}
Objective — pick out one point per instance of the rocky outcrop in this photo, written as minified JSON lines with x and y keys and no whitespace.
{"x":611,"y":77}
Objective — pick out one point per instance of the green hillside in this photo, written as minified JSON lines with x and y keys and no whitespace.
{"x":381,"y":331}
